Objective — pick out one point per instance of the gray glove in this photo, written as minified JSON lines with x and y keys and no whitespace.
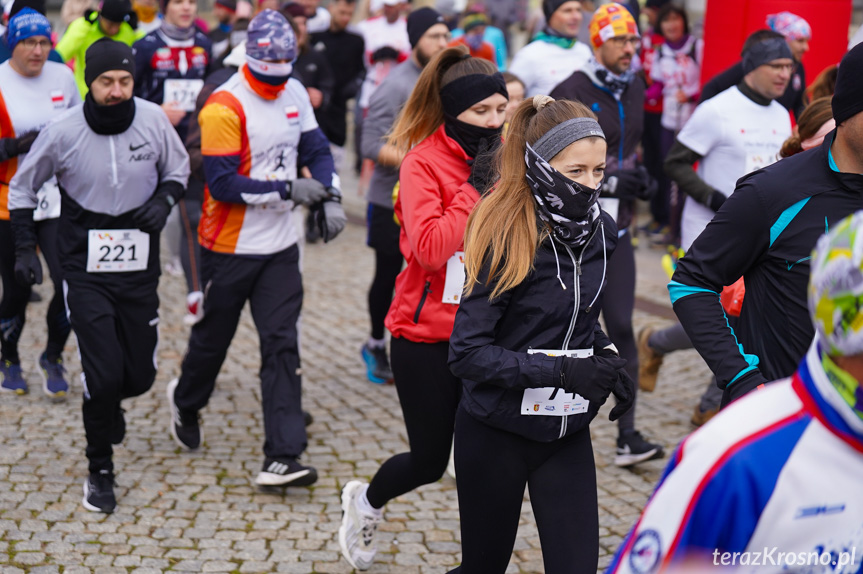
{"x":331,"y":219}
{"x":306,"y":191}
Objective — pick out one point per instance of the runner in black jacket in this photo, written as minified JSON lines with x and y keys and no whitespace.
{"x":765,"y":232}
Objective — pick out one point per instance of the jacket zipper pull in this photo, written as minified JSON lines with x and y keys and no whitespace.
{"x":578,"y":268}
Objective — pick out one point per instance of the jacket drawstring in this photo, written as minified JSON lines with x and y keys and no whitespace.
{"x":557,"y":262}
{"x":604,"y":265}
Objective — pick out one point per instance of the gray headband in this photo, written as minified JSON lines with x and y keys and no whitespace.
{"x":765,"y":52}
{"x":561,"y":135}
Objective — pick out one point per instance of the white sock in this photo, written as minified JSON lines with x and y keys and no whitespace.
{"x":376,"y":343}
{"x":364,"y":504}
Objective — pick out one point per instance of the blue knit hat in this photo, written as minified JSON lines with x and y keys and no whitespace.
{"x":271,"y":37}
{"x":26,"y":24}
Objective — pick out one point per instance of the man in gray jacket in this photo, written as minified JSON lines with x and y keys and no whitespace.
{"x":121,"y":167}
{"x":428,"y":35}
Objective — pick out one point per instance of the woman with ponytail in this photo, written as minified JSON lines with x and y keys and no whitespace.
{"x":534,"y":362}
{"x":816,"y":121}
{"x":453,"y":117}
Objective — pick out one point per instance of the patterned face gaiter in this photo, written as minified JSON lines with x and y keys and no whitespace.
{"x":567,"y":206}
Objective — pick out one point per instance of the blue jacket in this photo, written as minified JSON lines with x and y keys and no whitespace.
{"x":490,"y":340}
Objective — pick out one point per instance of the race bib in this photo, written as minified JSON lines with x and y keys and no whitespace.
{"x":117,"y":250}
{"x":552,"y":402}
{"x":610,"y":205}
{"x":454,"y":284}
{"x":183,"y":92}
{"x":48,"y":201}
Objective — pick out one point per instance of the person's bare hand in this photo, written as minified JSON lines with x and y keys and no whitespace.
{"x":174,"y":112}
{"x":316,"y":96}
{"x":681,"y":97}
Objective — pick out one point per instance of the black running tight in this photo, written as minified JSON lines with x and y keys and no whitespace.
{"x":429,"y":396}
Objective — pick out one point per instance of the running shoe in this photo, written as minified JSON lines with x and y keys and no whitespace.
{"x":53,"y":382}
{"x":377,"y":364}
{"x":185,"y":426}
{"x":286,"y":472}
{"x":649,"y":361}
{"x":194,"y":307}
{"x":99,"y":492}
{"x":357,"y":532}
{"x":13,"y":378}
{"x":632,"y":449}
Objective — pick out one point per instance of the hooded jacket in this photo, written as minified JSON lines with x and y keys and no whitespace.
{"x":433,"y":206}
{"x":490,"y":339}
{"x":764,"y":232}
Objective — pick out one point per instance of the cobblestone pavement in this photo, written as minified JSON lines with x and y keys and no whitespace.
{"x":200,"y":512}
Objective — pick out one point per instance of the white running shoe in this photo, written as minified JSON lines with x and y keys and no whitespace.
{"x":357,"y":532}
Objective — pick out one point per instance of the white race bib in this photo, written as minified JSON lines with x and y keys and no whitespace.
{"x":552,"y":402}
{"x":48,"y":201}
{"x":610,"y":205}
{"x":117,"y":250}
{"x":184,"y":92}
{"x":454,"y":284}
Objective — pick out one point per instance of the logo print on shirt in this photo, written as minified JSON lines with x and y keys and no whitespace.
{"x":281,"y":158}
{"x":137,"y":147}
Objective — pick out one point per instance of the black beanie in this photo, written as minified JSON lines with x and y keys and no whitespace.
{"x":105,"y":55}
{"x":550,"y":6}
{"x":18,"y":5}
{"x":421,"y":20}
{"x":848,"y":94}
{"x":115,"y":10}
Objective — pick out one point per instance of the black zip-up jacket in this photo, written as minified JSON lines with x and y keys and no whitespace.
{"x":490,"y":340}
{"x":765,"y":232}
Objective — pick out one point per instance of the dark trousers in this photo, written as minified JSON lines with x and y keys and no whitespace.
{"x":273,"y":286}
{"x":383,"y":237}
{"x":654,"y":156}
{"x":618,"y":302}
{"x":15,"y":296}
{"x":190,"y":249}
{"x":116,"y":323}
{"x":429,"y":396}
{"x":493,"y":467}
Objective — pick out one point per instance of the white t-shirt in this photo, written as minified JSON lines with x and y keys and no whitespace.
{"x":542,"y":65}
{"x":678,"y":70}
{"x":31,"y":103}
{"x":378,"y":33}
{"x":735,"y":136}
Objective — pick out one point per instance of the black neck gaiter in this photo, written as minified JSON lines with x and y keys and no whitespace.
{"x":109,"y":120}
{"x":469,"y":136}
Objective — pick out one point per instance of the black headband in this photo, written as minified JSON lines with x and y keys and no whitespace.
{"x":765,"y":52}
{"x":462,"y":93}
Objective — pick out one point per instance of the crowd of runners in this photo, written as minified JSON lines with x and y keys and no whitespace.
{"x":507,"y":190}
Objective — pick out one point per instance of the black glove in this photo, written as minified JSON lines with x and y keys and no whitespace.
{"x":748,"y":382}
{"x":330,"y":218}
{"x":22,"y":144}
{"x":28,"y":268}
{"x":630,"y":184}
{"x":592,"y":377}
{"x":151,"y":217}
{"x":483,"y":171}
{"x":717,"y":198}
{"x":623,"y":392}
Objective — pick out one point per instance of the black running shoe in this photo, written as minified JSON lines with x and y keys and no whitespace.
{"x":185,"y":427}
{"x":99,"y":492}
{"x":286,"y":472}
{"x":118,"y":431}
{"x":632,"y":449}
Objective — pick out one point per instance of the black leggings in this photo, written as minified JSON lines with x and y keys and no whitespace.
{"x":618,"y":302}
{"x":15,"y":296}
{"x":429,"y":396}
{"x":388,"y":265}
{"x":493,"y":467}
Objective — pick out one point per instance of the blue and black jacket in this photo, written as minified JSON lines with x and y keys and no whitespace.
{"x":765,"y":232}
